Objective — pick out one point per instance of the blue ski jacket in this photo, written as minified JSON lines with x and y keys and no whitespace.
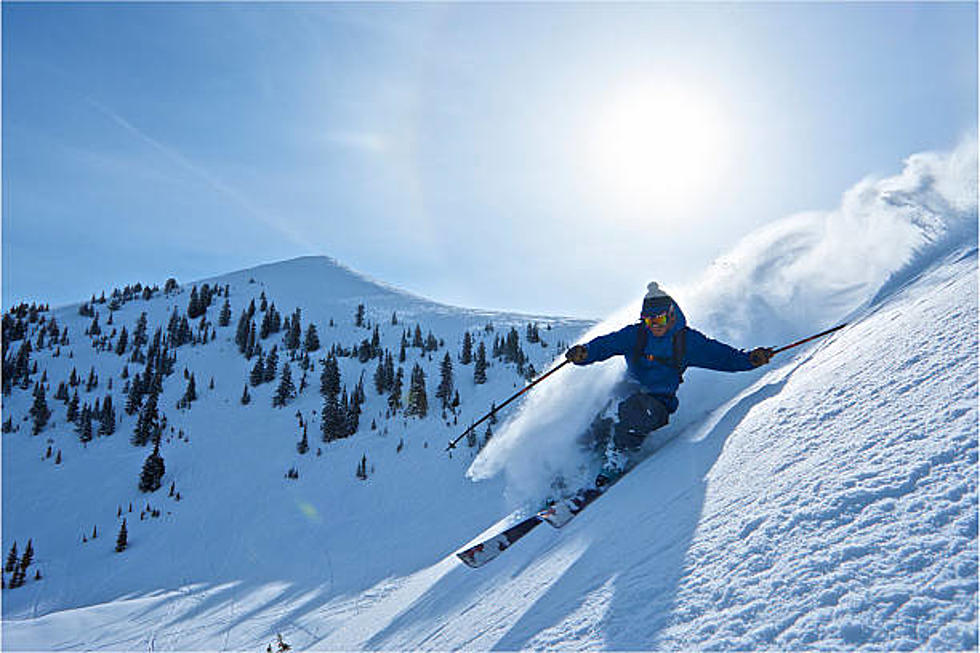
{"x":655,"y":368}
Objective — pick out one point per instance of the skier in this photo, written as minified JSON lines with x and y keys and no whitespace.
{"x":657,"y":349}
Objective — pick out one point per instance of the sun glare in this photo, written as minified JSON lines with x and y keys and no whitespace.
{"x":658,"y":146}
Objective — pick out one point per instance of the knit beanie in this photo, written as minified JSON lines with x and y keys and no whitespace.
{"x":656,"y":300}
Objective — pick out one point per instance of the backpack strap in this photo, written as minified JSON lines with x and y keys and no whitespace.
{"x":641,"y":342}
{"x":680,"y":350}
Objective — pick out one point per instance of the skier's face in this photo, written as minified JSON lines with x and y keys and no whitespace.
{"x":659,"y":324}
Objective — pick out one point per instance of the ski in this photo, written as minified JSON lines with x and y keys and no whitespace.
{"x":556,"y":514}
{"x":485,"y":551}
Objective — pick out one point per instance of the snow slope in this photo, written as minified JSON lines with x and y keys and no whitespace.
{"x":833,"y":504}
{"x":241,"y":527}
{"x":829,"y":501}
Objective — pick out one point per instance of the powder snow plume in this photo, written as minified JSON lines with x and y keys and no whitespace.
{"x":790,"y":279}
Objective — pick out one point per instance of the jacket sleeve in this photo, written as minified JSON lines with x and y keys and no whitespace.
{"x":702,"y":351}
{"x":611,"y":344}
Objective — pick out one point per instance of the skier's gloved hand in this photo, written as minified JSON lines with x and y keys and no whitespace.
{"x":760,"y":356}
{"x":577,"y":354}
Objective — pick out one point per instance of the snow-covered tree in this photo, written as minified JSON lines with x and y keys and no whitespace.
{"x":153,"y":471}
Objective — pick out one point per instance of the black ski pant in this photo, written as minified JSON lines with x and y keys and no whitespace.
{"x":637,"y":416}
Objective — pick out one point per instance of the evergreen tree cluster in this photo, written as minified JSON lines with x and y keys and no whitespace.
{"x":201,"y":301}
{"x":150,"y":424}
{"x":509,"y":350}
{"x":249,"y":339}
{"x":362,"y":470}
{"x":265,"y":368}
{"x":18,"y":566}
{"x":341,"y":413}
{"x":384,"y":374}
{"x":190,"y":393}
{"x":271,"y":320}
{"x":286,"y":389}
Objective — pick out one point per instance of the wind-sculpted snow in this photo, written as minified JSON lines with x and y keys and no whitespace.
{"x":786,"y":281}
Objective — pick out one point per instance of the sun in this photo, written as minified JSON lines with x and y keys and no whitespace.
{"x":658,"y":146}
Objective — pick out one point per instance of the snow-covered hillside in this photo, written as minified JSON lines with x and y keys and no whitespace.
{"x":827,"y":501}
{"x":240,"y":522}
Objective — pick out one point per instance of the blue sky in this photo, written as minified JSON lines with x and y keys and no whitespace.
{"x":539,"y":157}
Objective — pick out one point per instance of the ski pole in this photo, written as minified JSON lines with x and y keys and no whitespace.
{"x":805,"y":340}
{"x":452,"y":445}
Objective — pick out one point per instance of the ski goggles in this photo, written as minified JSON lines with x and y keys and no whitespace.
{"x":659,"y":320}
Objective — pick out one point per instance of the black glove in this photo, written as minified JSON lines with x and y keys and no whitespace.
{"x":577,"y":354}
{"x":760,"y":356}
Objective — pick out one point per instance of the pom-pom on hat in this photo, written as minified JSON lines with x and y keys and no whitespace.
{"x":656,"y":300}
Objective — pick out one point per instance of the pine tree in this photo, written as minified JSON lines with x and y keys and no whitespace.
{"x":246,"y":399}
{"x":28,"y":556}
{"x":480,"y":368}
{"x":18,"y":578}
{"x":11,"y":559}
{"x":359,"y":316}
{"x":224,"y":317}
{"x":445,"y":389}
{"x":39,"y":411}
{"x":466,"y":356}
{"x":286,"y":389}
{"x":107,"y":420}
{"x":121,"y":342}
{"x":72,"y":414}
{"x":333,"y":423}
{"x":362,"y":468}
{"x":379,"y":378}
{"x":257,"y":376}
{"x":312,"y":341}
{"x":271,"y":365}
{"x":194,"y":308}
{"x":134,"y":398}
{"x":330,"y":377}
{"x":293,"y":336}
{"x":148,"y":424}
{"x":304,"y":445}
{"x":85,"y":425}
{"x":122,"y":540}
{"x":241,"y":334}
{"x":395,"y":396}
{"x":153,"y":471}
{"x":190,"y":394}
{"x":418,"y":402}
